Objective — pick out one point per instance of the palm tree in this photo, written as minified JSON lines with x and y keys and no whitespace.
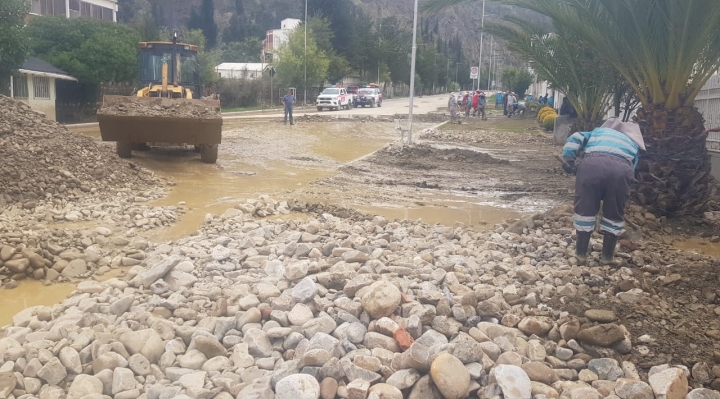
{"x":666,"y":50}
{"x":565,"y":61}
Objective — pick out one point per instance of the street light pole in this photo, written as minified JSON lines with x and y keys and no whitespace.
{"x":412,"y":73}
{"x":305,"y":62}
{"x":482,"y":30}
{"x":492,"y":54}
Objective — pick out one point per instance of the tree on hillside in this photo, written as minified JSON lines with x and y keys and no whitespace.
{"x":247,"y":50}
{"x":319,"y":28}
{"x":291,"y":61}
{"x":91,"y":50}
{"x":517,"y":80}
{"x":13,"y":40}
{"x":204,"y":20}
{"x":207,"y":59}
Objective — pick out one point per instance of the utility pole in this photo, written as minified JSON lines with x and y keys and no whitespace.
{"x":412,"y":73}
{"x":492,"y":55}
{"x":482,"y":30}
{"x":447,"y":71}
{"x":305,"y":82}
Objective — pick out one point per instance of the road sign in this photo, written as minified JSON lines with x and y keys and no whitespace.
{"x":474,"y":72}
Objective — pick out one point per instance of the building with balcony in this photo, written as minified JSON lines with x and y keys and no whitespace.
{"x":274,"y":38}
{"x":98,"y":9}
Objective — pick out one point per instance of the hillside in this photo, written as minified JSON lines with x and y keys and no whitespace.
{"x":461,"y":22}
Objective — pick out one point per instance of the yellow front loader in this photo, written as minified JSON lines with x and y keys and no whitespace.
{"x":157,"y":115}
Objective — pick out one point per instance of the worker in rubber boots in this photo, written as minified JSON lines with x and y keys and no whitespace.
{"x":605,"y":174}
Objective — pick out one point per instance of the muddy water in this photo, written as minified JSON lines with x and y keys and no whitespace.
{"x":31,"y":293}
{"x":699,"y":245}
{"x":263,"y":158}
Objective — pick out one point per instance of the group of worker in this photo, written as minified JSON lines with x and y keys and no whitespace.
{"x":468,"y":102}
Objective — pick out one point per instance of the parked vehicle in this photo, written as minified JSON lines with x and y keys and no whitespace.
{"x":334,"y":98}
{"x":369,"y":96}
{"x":353,"y":91}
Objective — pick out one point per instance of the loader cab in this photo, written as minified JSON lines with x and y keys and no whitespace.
{"x":182,"y":66}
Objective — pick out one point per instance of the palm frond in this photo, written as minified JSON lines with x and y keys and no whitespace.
{"x":665,"y":49}
{"x":565,"y":61}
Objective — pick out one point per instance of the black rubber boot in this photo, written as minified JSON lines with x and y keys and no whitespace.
{"x":608,"y":251}
{"x":581,"y":246}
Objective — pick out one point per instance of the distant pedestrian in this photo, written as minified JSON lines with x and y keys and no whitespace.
{"x":453,"y":106}
{"x":505,"y":102}
{"x":288,"y":100}
{"x":482,"y":101}
{"x":468,"y":104}
{"x":510,"y":108}
{"x":543,"y":100}
{"x":475,"y":102}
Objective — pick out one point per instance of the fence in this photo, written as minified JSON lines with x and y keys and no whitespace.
{"x":708,"y":102}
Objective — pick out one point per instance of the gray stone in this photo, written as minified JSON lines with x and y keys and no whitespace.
{"x":156,"y":272}
{"x":84,"y":384}
{"x":52,"y":372}
{"x":258,"y":343}
{"x":381,"y":299}
{"x":633,"y":389}
{"x":139,"y":364}
{"x":123,"y":380}
{"x":606,"y":369}
{"x":304,"y":291}
{"x":703,"y":393}
{"x":70,"y":358}
{"x":146,"y":342}
{"x":513,"y":381}
{"x":297,"y":386}
{"x":122,"y":305}
{"x":669,"y":384}
{"x":75,"y":268}
{"x":404,"y":379}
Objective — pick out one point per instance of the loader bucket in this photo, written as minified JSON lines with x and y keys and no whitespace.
{"x":167,"y":121}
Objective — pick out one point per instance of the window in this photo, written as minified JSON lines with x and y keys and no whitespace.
{"x":20,"y":89}
{"x":41,"y":87}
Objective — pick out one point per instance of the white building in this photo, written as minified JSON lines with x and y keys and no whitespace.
{"x":34,"y":84}
{"x":98,"y":9}
{"x":241,"y":70}
{"x":274,"y":38}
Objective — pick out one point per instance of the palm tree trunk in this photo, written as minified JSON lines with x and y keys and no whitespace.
{"x":674,"y":174}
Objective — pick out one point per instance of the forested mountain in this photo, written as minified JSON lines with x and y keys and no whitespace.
{"x":451,"y":38}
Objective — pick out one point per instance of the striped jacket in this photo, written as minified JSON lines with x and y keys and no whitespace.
{"x":602,"y":140}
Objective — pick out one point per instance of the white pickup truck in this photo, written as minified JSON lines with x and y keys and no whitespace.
{"x":334,"y":98}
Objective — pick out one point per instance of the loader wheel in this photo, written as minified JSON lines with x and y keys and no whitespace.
{"x":124,"y":150}
{"x":209,"y":153}
{"x":319,"y":109}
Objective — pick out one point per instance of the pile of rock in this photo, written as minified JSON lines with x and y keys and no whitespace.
{"x":428,"y":118}
{"x":46,"y":165}
{"x":161,"y":107}
{"x":343,"y":118}
{"x":66,"y":256}
{"x":336,"y":308}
